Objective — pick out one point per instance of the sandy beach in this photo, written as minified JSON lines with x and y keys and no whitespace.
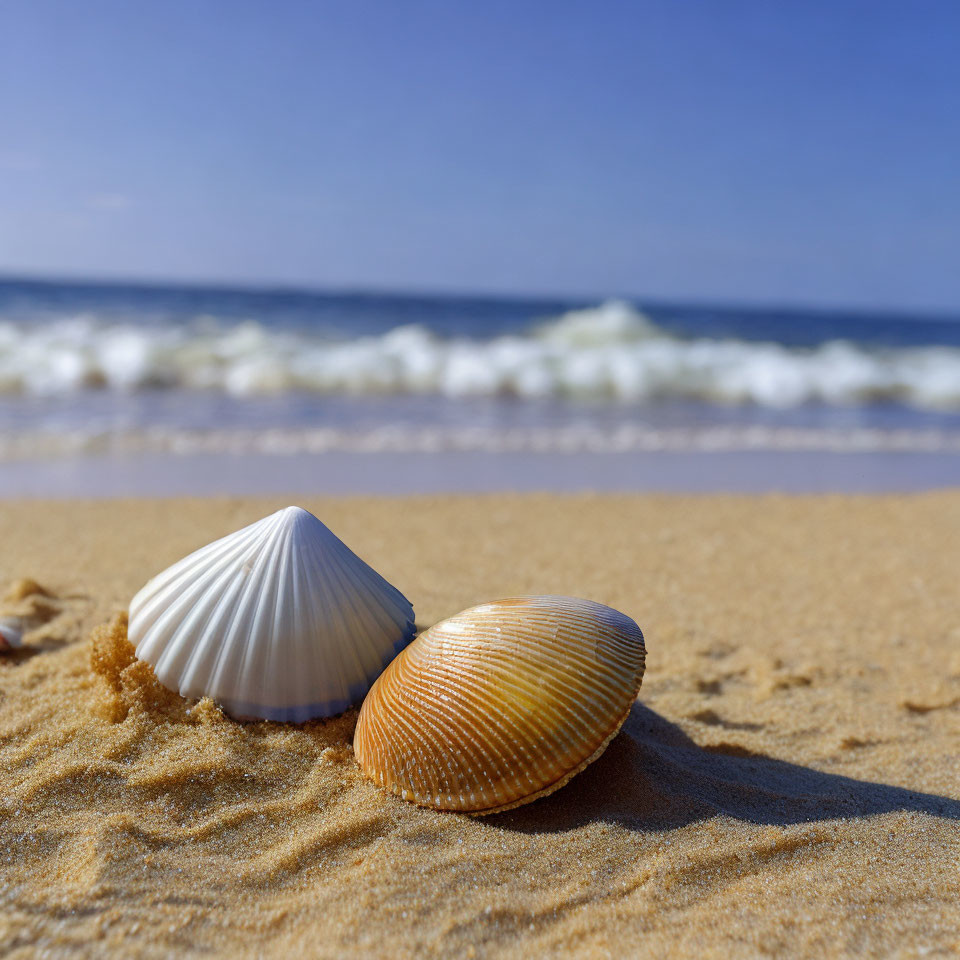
{"x":787,"y":783}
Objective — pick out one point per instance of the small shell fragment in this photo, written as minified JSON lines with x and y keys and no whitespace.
{"x":11,"y":633}
{"x":500,"y":704}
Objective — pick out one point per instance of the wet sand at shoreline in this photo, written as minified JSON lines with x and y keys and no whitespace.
{"x":340,"y":473}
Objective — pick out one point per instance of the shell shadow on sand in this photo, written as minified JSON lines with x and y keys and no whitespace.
{"x":654,"y":777}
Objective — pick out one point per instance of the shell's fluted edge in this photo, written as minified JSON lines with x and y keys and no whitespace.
{"x":279,"y":621}
{"x":501,"y":704}
{"x":311,"y":711}
{"x":564,"y":780}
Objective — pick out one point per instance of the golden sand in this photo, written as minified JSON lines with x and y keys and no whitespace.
{"x":788,"y":783}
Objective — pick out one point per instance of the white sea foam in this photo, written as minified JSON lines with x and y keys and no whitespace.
{"x":607,"y":352}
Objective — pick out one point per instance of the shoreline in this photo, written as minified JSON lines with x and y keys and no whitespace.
{"x":469,"y":472}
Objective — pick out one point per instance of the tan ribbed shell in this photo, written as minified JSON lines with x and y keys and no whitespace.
{"x":501,"y":704}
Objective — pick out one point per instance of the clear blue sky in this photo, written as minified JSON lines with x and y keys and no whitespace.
{"x":800,"y":151}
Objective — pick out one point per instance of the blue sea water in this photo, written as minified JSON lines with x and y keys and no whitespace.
{"x":131,"y":370}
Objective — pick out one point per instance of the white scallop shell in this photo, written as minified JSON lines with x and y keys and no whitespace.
{"x":11,"y":633}
{"x":280,"y":620}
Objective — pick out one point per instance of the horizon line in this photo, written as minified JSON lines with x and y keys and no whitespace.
{"x":307,"y":288}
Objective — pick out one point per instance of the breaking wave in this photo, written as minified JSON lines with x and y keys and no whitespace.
{"x":608,"y":352}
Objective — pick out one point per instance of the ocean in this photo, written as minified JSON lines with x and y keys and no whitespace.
{"x":106,"y":381}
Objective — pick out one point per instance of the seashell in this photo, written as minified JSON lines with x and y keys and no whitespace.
{"x":501,"y":704}
{"x":280,"y":621}
{"x":11,"y":633}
